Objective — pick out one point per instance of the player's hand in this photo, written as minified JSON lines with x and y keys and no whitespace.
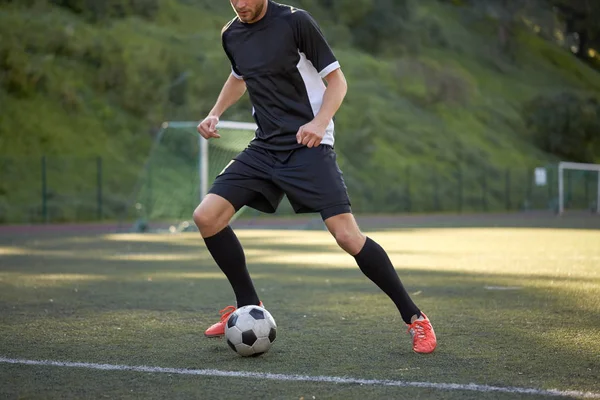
{"x":208,"y":127}
{"x":311,"y":134}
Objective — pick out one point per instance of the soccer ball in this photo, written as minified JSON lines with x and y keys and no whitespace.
{"x":250,"y":331}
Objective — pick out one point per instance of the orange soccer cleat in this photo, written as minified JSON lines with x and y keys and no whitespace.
{"x":424,"y":340}
{"x":218,"y":329}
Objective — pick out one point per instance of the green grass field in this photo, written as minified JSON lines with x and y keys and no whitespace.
{"x":512,"y":307}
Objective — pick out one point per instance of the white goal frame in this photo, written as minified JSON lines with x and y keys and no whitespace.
{"x":203,"y":145}
{"x":580,"y":167}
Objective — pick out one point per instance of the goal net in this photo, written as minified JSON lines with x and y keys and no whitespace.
{"x":578,"y":184}
{"x":178,"y":173}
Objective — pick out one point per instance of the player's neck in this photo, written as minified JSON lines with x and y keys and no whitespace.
{"x":261,"y":15}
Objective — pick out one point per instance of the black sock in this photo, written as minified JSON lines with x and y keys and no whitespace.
{"x":228,"y":253}
{"x":374,"y":262}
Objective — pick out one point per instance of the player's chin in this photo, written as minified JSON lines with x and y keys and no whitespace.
{"x":245,"y":17}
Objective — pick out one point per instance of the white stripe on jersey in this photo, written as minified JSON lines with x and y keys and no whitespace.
{"x":316,"y":89}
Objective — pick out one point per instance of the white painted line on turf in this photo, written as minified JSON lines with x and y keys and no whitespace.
{"x":305,"y":378}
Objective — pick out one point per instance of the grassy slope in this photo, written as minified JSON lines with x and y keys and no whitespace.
{"x":99,"y":89}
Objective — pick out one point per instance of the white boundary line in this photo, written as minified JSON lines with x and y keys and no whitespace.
{"x":304,"y":378}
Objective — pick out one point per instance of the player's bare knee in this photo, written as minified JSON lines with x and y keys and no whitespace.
{"x":206,"y":221}
{"x":201,"y":219}
{"x":351,"y":240}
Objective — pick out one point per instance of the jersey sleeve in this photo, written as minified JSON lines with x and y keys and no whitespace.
{"x":312,"y":43}
{"x":234,"y":71}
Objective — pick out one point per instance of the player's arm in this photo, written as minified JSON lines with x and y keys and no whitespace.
{"x":312,"y":134}
{"x":233,"y":89}
{"x":332,"y":98}
{"x":312,"y":43}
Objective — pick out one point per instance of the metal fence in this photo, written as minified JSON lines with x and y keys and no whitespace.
{"x":78,"y":189}
{"x":63,"y":189}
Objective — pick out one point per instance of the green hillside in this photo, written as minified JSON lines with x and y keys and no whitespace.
{"x":431,"y":88}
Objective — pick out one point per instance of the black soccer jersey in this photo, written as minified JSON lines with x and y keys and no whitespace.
{"x":282,"y":58}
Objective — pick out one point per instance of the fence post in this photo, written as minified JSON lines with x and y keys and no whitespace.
{"x":550,"y":202}
{"x":148,"y":207}
{"x":586,"y":181}
{"x":408,"y":199}
{"x":569,"y":180}
{"x":507,"y":189}
{"x":460,"y":189}
{"x":529,"y":190}
{"x":484,"y":205}
{"x":436,"y":192}
{"x":99,"y":186}
{"x":44,"y":191}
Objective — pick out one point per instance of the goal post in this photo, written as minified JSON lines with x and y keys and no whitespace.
{"x":203,"y":145}
{"x":562,"y":167}
{"x":178,"y":173}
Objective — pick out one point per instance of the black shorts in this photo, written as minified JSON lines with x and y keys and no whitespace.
{"x":309,"y":177}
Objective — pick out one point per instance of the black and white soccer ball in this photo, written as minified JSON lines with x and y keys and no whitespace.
{"x":250,"y":331}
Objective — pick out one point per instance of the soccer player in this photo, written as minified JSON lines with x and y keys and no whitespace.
{"x":280,"y":56}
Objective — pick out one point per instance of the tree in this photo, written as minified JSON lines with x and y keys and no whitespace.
{"x":566,"y":124}
{"x":581,"y":19}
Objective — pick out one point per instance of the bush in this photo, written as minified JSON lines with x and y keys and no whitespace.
{"x":20,"y":76}
{"x":98,"y":10}
{"x":566,"y":124}
{"x":429,"y":85}
{"x":377,"y":26}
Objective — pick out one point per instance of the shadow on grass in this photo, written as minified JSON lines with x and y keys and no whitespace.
{"x":478,"y":328}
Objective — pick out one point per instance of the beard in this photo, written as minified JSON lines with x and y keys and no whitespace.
{"x":249,"y":16}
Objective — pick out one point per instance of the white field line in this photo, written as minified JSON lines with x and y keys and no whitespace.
{"x":305,"y":378}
